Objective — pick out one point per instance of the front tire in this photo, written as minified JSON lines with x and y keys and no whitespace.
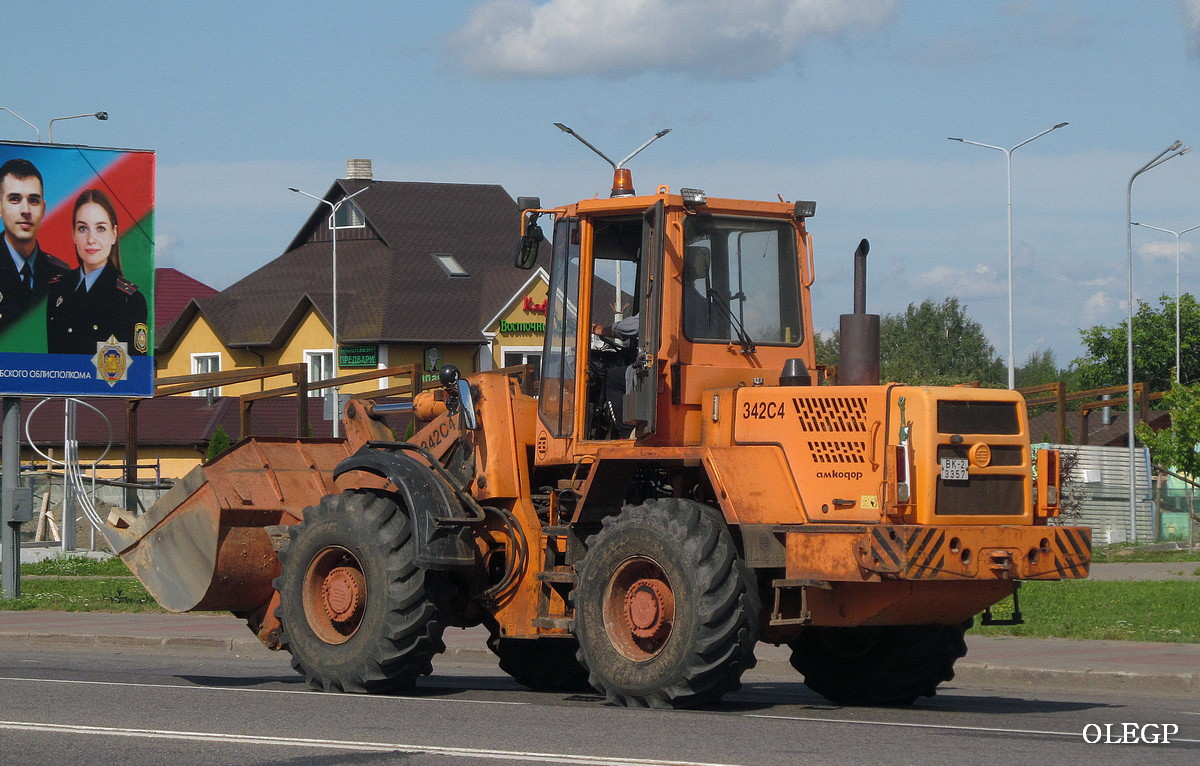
{"x":666,"y":612}
{"x":358,"y":614}
{"x":887,"y":665}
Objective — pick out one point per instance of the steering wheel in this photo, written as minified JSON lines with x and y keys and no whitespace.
{"x":611,"y":343}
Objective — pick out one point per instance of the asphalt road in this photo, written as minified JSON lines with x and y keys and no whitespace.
{"x":87,"y":706}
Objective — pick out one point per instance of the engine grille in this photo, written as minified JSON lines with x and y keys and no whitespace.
{"x":837,"y":452}
{"x":845,"y":414}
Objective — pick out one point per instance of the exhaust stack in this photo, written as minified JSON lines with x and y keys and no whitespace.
{"x":859,"y":341}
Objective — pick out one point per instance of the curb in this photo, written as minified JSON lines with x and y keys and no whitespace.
{"x":225,"y":645}
{"x":1165,"y":684}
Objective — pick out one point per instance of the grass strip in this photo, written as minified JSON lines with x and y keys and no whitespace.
{"x":77,"y":566}
{"x":1111,"y":610}
{"x":82,"y":594}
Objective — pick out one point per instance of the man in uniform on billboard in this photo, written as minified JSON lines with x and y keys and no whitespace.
{"x":25,"y":269}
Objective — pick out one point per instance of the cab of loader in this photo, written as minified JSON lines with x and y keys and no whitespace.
{"x":720,"y":292}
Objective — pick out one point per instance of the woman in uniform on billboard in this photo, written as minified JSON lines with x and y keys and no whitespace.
{"x":94,"y":303}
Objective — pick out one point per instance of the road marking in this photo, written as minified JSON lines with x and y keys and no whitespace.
{"x":944,"y":726}
{"x":256,"y":691}
{"x":568,"y":759}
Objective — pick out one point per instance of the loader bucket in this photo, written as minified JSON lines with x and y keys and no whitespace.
{"x":205,"y":545}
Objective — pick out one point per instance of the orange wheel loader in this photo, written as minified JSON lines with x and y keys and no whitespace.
{"x":640,"y":512}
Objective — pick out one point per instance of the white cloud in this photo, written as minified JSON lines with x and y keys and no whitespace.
{"x":980,"y":281}
{"x":1191,"y":17}
{"x":1094,"y":309}
{"x":1155,"y":251}
{"x":164,"y":244}
{"x":614,"y":38}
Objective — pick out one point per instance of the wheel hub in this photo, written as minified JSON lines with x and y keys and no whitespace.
{"x":335,"y":594}
{"x":639,"y":609}
{"x":649,"y":608}
{"x":343,"y":594}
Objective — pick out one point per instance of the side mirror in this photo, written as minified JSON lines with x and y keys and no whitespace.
{"x":530,"y":243}
{"x":467,"y":403}
{"x":460,"y":400}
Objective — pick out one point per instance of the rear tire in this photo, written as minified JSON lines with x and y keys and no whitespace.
{"x":358,"y":614}
{"x":887,"y":665}
{"x":666,"y":612}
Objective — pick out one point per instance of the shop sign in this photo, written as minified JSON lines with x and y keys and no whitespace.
{"x":522,"y":327}
{"x":358,"y":356}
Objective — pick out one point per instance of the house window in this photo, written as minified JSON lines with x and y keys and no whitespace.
{"x":349,"y":216}
{"x":202,"y":363}
{"x":530,"y":356}
{"x":450,"y":264}
{"x":320,"y":367}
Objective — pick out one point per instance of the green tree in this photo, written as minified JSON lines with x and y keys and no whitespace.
{"x":828,"y":351}
{"x":937,"y":344}
{"x":1039,"y":368}
{"x":219,"y":442}
{"x":1175,"y":447}
{"x":1104,"y":363}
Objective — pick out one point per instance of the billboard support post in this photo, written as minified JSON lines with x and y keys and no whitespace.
{"x":70,"y":470}
{"x":10,"y":463}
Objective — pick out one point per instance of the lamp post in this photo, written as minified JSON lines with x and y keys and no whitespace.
{"x":22,"y":119}
{"x":97,"y":115}
{"x":1176,"y":149}
{"x":1178,"y":235}
{"x":1008,"y":162}
{"x":333,"y":208}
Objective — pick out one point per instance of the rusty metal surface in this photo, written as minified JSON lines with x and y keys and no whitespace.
{"x":205,"y":544}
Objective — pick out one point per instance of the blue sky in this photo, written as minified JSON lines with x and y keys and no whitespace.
{"x":848,"y":103}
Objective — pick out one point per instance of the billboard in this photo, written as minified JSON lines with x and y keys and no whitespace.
{"x":76,"y":271}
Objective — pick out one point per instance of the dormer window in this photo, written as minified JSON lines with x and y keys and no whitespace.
{"x":451,"y":266}
{"x":349,"y":216}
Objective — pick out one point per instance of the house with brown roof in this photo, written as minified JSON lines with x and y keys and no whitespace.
{"x":173,"y":291}
{"x":422,"y":270}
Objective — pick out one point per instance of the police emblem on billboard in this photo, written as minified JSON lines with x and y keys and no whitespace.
{"x":141,"y":337}
{"x":111,"y":360}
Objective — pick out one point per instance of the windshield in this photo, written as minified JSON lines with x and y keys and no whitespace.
{"x":740,"y":281}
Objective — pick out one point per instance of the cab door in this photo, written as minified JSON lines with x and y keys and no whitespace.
{"x":641,"y":404}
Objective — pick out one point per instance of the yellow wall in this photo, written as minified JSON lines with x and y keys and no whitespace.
{"x":518,"y":314}
{"x":466,"y":358}
{"x":199,"y":338}
{"x":172,"y":462}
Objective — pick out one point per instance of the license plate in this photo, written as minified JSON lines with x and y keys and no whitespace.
{"x":954,"y":469}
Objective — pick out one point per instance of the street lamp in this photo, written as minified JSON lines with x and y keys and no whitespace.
{"x":22,"y":119}
{"x":1178,"y":234}
{"x":1176,"y":149}
{"x":333,"y":208}
{"x":1008,"y":161}
{"x":97,"y":115}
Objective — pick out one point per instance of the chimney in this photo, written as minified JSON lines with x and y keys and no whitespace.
{"x":358,"y":170}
